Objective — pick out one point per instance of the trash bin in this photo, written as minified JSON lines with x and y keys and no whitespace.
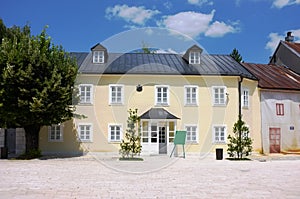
{"x":4,"y":152}
{"x":219,"y":154}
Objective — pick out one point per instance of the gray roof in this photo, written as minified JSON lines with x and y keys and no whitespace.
{"x":157,"y":113}
{"x":162,"y":63}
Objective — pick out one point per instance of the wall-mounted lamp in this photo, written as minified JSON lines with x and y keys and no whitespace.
{"x":139,"y":88}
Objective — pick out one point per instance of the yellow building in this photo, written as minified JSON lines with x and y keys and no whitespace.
{"x":195,"y":92}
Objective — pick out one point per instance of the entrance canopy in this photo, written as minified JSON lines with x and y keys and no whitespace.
{"x":158,"y":113}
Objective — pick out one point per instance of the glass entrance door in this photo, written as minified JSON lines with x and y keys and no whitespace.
{"x":162,"y":130}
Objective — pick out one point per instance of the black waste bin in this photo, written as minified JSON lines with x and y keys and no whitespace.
{"x":219,"y":154}
{"x":4,"y":152}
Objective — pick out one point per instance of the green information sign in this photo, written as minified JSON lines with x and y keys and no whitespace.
{"x":179,"y":139}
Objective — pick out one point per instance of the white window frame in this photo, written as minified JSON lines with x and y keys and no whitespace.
{"x":85,"y":100}
{"x":189,"y":102}
{"x":214,"y":134}
{"x":110,"y":132}
{"x":186,"y":126}
{"x":98,"y":57}
{"x":218,"y":102}
{"x":90,"y":135}
{"x":245,"y":98}
{"x":194,"y":57}
{"x":50,"y":131}
{"x":111,"y":102}
{"x":160,"y":103}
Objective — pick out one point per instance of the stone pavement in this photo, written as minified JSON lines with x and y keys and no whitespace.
{"x":96,"y":176}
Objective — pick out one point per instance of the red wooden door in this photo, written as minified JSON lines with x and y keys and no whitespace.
{"x":274,"y":140}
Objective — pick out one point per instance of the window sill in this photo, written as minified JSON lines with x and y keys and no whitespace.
{"x":191,"y":105}
{"x":116,"y":104}
{"x":114,"y":142}
{"x":51,"y":141}
{"x":220,"y":143}
{"x":162,"y":105}
{"x":85,"y":141}
{"x":219,"y":105}
{"x":192,"y":142}
{"x":85,"y":104}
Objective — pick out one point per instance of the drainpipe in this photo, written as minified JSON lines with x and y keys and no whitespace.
{"x":240,"y":95}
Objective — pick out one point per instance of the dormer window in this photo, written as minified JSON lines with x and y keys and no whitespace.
{"x":194,"y":57}
{"x":99,"y":54}
{"x":98,"y":57}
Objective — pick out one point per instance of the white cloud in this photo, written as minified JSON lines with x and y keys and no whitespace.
{"x":274,"y":39}
{"x":194,"y":24}
{"x":273,"y":42}
{"x":282,"y":3}
{"x":190,"y":23}
{"x":200,"y":2}
{"x":136,"y":15}
{"x":218,"y":29}
{"x":168,"y":51}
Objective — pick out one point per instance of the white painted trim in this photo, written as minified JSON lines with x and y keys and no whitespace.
{"x":61,"y":127}
{"x":197,"y":133}
{"x":100,"y":57}
{"x":110,"y":94}
{"x":92,"y":94}
{"x":242,"y":98}
{"x":109,"y":133}
{"x":213,"y":134}
{"x":185,"y":95}
{"x":91,"y":132}
{"x":213,"y":95}
{"x":168,"y":95}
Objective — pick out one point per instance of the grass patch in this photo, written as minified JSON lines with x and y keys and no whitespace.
{"x":238,"y":159}
{"x":131,"y":159}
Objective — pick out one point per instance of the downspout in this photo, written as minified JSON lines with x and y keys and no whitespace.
{"x":240,"y":112}
{"x":240,"y":95}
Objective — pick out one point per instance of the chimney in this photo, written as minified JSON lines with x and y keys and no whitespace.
{"x":289,"y":37}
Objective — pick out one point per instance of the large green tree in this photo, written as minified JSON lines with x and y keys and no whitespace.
{"x":36,"y":82}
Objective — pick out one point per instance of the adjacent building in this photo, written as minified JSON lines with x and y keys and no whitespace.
{"x":287,"y":54}
{"x":279,"y":90}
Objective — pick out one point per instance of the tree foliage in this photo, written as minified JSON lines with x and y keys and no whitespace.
{"x":131,"y":145}
{"x":240,"y":144}
{"x":236,"y":55}
{"x":36,"y":82}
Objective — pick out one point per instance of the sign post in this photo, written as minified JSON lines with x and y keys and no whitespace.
{"x":179,"y":139}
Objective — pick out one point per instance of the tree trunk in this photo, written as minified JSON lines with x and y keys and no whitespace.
{"x":32,"y":137}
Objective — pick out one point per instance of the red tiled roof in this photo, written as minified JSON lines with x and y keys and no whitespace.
{"x":295,"y":46}
{"x":274,"y":77}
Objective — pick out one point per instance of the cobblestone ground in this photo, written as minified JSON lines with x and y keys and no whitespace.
{"x":155,"y":177}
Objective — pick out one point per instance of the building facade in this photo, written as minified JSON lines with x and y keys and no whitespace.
{"x":195,"y":92}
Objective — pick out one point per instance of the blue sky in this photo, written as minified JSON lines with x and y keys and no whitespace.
{"x":254,"y":27}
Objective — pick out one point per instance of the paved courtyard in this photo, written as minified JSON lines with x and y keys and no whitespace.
{"x":95,"y":176}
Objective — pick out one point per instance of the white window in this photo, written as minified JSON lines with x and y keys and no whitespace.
{"x":191,"y":95}
{"x":219,"y":134}
{"x":86,"y":93}
{"x":116,"y":93}
{"x":85,"y":132}
{"x":162,"y":95}
{"x":115,"y":133}
{"x":245,"y":98}
{"x":55,"y":133}
{"x":194,"y":57}
{"x":191,"y":133}
{"x":219,"y":95}
{"x":98,"y":57}
{"x":145,"y":132}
